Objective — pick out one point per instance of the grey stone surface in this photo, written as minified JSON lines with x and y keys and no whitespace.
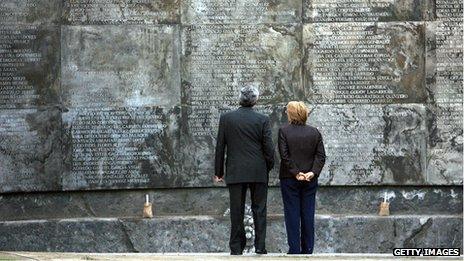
{"x":30,"y":11}
{"x":439,"y":232}
{"x":372,"y":144}
{"x":337,"y":200}
{"x":364,"y":62}
{"x":444,"y":85}
{"x":444,"y":61}
{"x":121,"y":12}
{"x":240,"y":11}
{"x":141,"y":84}
{"x":366,"y":11}
{"x":30,"y":150}
{"x":445,"y":144}
{"x":404,"y":200}
{"x":384,"y":234}
{"x":105,"y":235}
{"x":29,"y":65}
{"x":126,"y":65}
{"x":219,"y":59}
{"x":210,"y":234}
{"x":126,"y":147}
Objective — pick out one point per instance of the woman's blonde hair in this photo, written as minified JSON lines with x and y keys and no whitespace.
{"x":297,"y":113}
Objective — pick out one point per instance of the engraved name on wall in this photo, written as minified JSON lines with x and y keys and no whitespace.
{"x":121,"y":11}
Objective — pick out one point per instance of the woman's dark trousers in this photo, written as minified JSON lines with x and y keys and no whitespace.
{"x":299,"y":207}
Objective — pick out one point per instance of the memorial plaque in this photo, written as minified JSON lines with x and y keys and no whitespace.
{"x":240,"y":11}
{"x":114,"y":148}
{"x":121,"y":11}
{"x":29,"y":65}
{"x":218,"y":60}
{"x":126,"y":65}
{"x":444,"y":84}
{"x":30,"y":11}
{"x":30,"y":150}
{"x":372,"y":144}
{"x":128,"y":93}
{"x":356,"y":63}
{"x":365,"y":10}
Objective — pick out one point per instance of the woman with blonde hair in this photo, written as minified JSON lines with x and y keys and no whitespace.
{"x":302,"y":159}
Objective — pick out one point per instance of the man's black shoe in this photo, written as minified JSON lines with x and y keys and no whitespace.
{"x":261,"y":252}
{"x":236,"y":253}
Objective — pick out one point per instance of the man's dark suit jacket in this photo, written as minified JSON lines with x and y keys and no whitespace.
{"x":301,"y":150}
{"x":245,"y":136}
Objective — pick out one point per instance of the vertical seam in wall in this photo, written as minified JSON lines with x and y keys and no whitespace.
{"x":303,"y":52}
{"x":60,"y":95}
{"x":426,"y":102}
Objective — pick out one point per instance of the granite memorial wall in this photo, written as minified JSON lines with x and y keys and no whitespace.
{"x":111,"y":94}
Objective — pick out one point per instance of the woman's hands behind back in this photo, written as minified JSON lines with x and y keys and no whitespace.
{"x":305,"y":176}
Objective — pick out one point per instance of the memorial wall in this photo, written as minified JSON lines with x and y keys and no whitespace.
{"x":120,"y":94}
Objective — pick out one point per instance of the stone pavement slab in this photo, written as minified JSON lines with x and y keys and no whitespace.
{"x":39,"y":256}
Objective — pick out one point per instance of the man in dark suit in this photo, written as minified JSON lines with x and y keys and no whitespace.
{"x":245,"y":136}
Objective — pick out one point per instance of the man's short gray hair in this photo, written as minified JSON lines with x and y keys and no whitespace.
{"x":248,"y":96}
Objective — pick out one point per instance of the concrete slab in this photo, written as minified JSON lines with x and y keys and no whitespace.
{"x":200,"y":256}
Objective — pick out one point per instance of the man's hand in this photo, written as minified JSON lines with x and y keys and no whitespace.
{"x":217,"y":179}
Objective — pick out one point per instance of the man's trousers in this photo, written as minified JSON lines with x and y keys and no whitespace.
{"x":237,"y":194}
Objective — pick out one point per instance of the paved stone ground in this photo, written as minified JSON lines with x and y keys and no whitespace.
{"x":39,"y":256}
